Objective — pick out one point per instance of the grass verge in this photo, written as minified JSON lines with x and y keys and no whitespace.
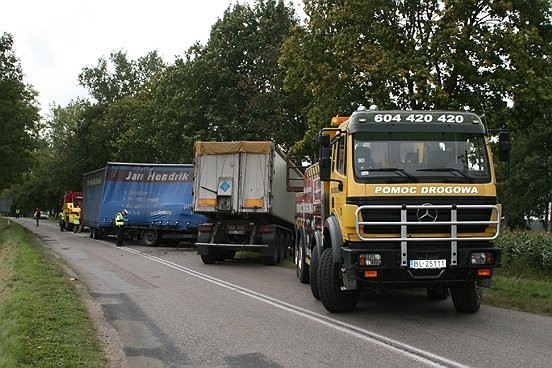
{"x":43,"y":323}
{"x":534,"y":296}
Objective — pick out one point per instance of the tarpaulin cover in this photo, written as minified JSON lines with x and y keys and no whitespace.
{"x":153,"y":195}
{"x":221,"y":148}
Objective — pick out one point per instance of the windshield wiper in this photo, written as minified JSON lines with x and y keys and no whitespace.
{"x":449,"y":169}
{"x":397,"y":171}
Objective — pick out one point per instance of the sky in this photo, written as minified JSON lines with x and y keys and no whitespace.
{"x":54,"y":40}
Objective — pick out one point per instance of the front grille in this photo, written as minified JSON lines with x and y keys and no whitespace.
{"x":392,"y":216}
{"x":430,"y":223}
{"x":386,"y":219}
{"x":406,"y":222}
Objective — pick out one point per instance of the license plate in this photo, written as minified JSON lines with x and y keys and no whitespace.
{"x":428,"y":263}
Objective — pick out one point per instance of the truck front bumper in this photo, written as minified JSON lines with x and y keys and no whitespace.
{"x":391,"y":270}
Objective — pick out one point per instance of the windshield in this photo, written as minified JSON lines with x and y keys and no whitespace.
{"x":420,"y":157}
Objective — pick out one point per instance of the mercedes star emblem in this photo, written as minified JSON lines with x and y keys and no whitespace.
{"x":427,"y":214}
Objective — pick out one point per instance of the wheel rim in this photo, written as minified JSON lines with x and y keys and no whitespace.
{"x":149,"y":237}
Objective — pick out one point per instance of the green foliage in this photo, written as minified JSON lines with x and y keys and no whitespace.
{"x":19,"y":119}
{"x":527,"y":253}
{"x":232,"y":88}
{"x":528,"y":191}
{"x":526,"y":294}
{"x":422,"y":54}
{"x":119,"y":77}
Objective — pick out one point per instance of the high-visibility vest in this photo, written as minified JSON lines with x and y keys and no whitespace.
{"x":119,"y":219}
{"x":62,"y":216}
{"x":76,"y":220}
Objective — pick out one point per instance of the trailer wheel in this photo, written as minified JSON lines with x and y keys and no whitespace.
{"x":313,"y":273}
{"x":301,"y":268}
{"x":333,"y":298}
{"x":437,"y":293}
{"x":149,"y":238}
{"x":466,"y":297}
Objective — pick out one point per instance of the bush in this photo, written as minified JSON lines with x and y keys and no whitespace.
{"x":533,"y":249}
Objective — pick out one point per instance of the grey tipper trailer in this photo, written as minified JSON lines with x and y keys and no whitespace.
{"x":243,"y":188}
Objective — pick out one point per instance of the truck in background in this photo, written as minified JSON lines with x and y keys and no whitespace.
{"x":400,"y":199}
{"x":244,"y":189}
{"x":71,"y":206}
{"x":158,"y":198}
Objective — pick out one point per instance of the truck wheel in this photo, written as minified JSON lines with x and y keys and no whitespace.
{"x":149,"y":238}
{"x":208,"y":258}
{"x":313,"y":273}
{"x":437,"y":293}
{"x":466,"y":297}
{"x":332,"y":297}
{"x":301,"y":268}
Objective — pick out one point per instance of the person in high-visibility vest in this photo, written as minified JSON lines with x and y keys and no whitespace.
{"x":120,"y":226}
{"x":62,"y":221}
{"x":76,"y":223}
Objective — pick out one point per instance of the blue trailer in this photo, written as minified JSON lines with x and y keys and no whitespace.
{"x":158,"y":198}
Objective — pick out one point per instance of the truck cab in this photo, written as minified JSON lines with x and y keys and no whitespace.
{"x":71,"y":206}
{"x":408,"y":201}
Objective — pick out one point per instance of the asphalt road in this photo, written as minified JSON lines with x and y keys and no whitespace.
{"x":171,"y":310}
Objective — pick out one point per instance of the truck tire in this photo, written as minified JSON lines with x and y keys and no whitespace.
{"x":208,"y":258}
{"x":332,"y":297}
{"x":437,"y":292}
{"x":301,"y":267}
{"x":313,"y":273}
{"x":149,"y":238}
{"x":466,"y":297}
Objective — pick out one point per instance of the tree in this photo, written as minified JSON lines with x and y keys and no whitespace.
{"x":231,"y":88}
{"x":420,"y":54}
{"x":19,"y":119}
{"x":119,"y":77}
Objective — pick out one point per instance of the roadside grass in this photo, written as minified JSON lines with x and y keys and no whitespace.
{"x":524,"y":282}
{"x":520,"y":286}
{"x":43,"y":323}
{"x":533,"y":296}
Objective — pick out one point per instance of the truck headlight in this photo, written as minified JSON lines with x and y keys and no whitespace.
{"x":482,"y":258}
{"x":370,"y":259}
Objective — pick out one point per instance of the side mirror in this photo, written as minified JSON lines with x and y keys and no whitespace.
{"x":324,"y":160}
{"x":324,"y":140}
{"x":504,"y":145}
